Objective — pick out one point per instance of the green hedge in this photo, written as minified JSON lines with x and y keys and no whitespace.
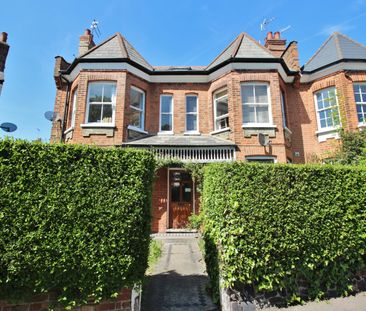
{"x":74,"y":220}
{"x":278,"y":226}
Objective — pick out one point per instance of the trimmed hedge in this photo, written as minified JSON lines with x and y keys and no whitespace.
{"x":281,"y":226}
{"x":74,"y":220}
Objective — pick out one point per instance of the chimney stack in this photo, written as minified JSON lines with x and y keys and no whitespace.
{"x":86,"y":42}
{"x":4,"y":49}
{"x":275,"y":44}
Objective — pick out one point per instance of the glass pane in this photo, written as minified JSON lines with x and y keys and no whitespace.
{"x":191,"y":104}
{"x":323,"y":123}
{"x":191,"y":122}
{"x":222,"y":107}
{"x":321,"y":115}
{"x":320,"y":103}
{"x":187,"y":192}
{"x":363,"y":97}
{"x":177,"y":176}
{"x":109,"y":90}
{"x":248,"y":114}
{"x":166,"y":122}
{"x":363,"y":88}
{"x":356,"y":88}
{"x":357,"y":98}
{"x":262,"y":115}
{"x":107,"y":114}
{"x":247,"y":93}
{"x":136,"y":99}
{"x":95,"y":112}
{"x":175,"y":192}
{"x":261,"y":94}
{"x":166,"y":104}
{"x":221,"y":94}
{"x":335,"y":116}
{"x":135,"y":119}
{"x":222,"y":123}
{"x":95,"y":92}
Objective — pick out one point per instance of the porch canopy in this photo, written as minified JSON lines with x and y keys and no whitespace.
{"x":199,"y":149}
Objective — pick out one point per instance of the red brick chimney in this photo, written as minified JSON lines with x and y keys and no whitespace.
{"x":86,"y":42}
{"x":275,"y":44}
{"x":4,"y":48}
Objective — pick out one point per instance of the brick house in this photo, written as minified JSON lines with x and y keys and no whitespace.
{"x":4,"y":49}
{"x":111,"y":96}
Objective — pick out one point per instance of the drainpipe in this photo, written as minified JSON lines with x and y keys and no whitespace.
{"x":66,"y":109}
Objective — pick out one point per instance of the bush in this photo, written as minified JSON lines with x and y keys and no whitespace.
{"x":74,"y":220}
{"x":277,"y":226}
{"x":352,"y":149}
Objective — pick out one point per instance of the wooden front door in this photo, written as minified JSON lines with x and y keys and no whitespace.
{"x":181,"y":198}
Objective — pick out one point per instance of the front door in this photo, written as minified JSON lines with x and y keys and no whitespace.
{"x":181,"y":198}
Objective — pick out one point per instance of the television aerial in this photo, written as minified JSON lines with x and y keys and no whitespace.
{"x":263,"y":140}
{"x":95,"y":28}
{"x":52,"y":116}
{"x":8,"y":127}
{"x":265,"y":22}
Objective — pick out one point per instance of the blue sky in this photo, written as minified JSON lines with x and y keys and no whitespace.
{"x":185,"y":32}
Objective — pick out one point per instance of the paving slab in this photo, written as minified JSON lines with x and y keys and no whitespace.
{"x":179,"y":280}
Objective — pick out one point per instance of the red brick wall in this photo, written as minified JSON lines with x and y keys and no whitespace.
{"x":160,"y":201}
{"x":45,"y":301}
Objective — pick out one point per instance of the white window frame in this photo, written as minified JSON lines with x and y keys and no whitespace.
{"x":254,"y":158}
{"x":142,"y":122}
{"x":362,"y":123}
{"x":216,"y":118}
{"x":269,"y":104}
{"x":328,"y":128}
{"x":283,"y":108}
{"x":113,"y":103}
{"x":196,"y":131}
{"x":172,"y":113}
{"x":74,"y":107}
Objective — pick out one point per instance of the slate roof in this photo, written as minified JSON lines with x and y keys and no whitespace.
{"x":116,"y":47}
{"x":244,"y":46}
{"x":181,"y":141}
{"x":337,"y":47}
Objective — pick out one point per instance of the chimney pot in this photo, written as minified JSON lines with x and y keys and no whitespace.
{"x":87,"y":32}
{"x":86,"y":42}
{"x":269,"y":35}
{"x":3,"y":37}
{"x":277,"y":35}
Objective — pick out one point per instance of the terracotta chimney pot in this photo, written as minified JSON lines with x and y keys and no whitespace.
{"x":3,"y":37}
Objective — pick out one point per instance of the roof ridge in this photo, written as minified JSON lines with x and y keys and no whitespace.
{"x":257,"y":43}
{"x":238,"y":44}
{"x":137,"y":52}
{"x":97,"y":46}
{"x":122,"y":43}
{"x":318,"y":50}
{"x":338,"y":45}
{"x":231,"y":43}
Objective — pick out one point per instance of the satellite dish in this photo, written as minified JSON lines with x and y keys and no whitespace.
{"x":51,"y":115}
{"x":8,"y":127}
{"x":263,"y":140}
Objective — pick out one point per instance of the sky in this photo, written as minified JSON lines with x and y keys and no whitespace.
{"x":165,"y":32}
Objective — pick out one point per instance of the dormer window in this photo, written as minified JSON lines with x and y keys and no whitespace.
{"x":101,"y":102}
{"x":221,"y":110}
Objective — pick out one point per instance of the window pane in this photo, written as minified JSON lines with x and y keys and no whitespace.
{"x":222,"y":107}
{"x":191,"y":104}
{"x":221,"y":94}
{"x":187,"y":192}
{"x":363,"y":88}
{"x":135,"y":118}
{"x":175,"y":192}
{"x":323,"y":123}
{"x":95,"y":112}
{"x":248,"y":114}
{"x":247,"y":93}
{"x":166,"y":122}
{"x":109,"y":90}
{"x":95,"y":92}
{"x":261,"y":94}
{"x":262,"y":115}
{"x":191,"y":122}
{"x":356,"y":88}
{"x":136,"y":99}
{"x":320,"y":104}
{"x":357,"y":98}
{"x":363,"y":97}
{"x":107,"y":114}
{"x":222,"y":123}
{"x":166,"y":104}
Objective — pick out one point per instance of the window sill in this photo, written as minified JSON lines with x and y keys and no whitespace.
{"x":97,"y":125}
{"x":325,"y":134}
{"x":165,"y":133}
{"x":255,"y":129}
{"x":361,"y":125}
{"x":259,"y":126}
{"x":136,"y":129}
{"x":226,"y":129}
{"x":192,"y":133}
{"x":327,"y":130}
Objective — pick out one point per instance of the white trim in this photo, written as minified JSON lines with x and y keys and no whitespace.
{"x":192,"y":133}
{"x":361,"y":103}
{"x":136,"y":129}
{"x":192,"y":113}
{"x":361,"y":125}
{"x":324,"y":135}
{"x":179,"y":78}
{"x":274,"y":158}
{"x":226,"y":129}
{"x":215,"y":99}
{"x":268,"y":104}
{"x":112,"y":103}
{"x":142,"y":128}
{"x":95,"y":125}
{"x":74,"y":106}
{"x":259,"y":126}
{"x":71,"y":128}
{"x":172,"y":113}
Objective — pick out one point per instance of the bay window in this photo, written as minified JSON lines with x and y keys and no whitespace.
{"x":255,"y":104}
{"x":327,"y":109}
{"x":101,"y":102}
{"x":360,"y":99}
{"x":137,"y":108}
